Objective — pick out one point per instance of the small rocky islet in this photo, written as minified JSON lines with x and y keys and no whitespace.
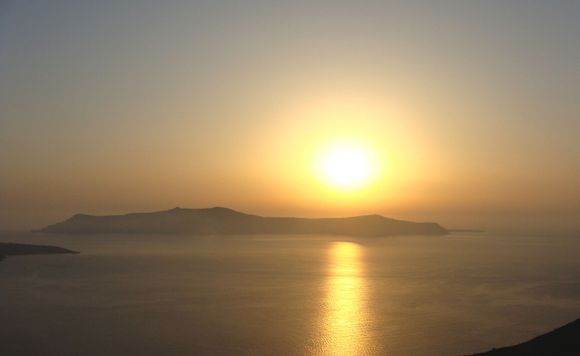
{"x":14,"y":249}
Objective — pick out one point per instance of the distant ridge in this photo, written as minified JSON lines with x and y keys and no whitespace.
{"x":221,"y":220}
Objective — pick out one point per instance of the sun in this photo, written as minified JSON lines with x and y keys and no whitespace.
{"x":347,"y":165}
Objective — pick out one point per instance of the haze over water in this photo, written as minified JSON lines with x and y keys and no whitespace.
{"x":296,"y":295}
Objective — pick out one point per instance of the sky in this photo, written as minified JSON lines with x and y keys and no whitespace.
{"x":472,"y":108}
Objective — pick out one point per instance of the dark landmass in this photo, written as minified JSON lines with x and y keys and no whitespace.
{"x":564,"y":341}
{"x":227,"y":221}
{"x":10,"y":249}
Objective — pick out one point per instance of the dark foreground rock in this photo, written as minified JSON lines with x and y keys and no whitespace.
{"x":227,"y":221}
{"x":564,"y":341}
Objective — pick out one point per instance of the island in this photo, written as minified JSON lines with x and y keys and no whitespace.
{"x":11,"y":249}
{"x":226,"y":221}
{"x":563,"y":341}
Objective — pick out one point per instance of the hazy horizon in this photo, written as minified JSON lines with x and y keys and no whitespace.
{"x":470,"y":109}
{"x":509,"y":225}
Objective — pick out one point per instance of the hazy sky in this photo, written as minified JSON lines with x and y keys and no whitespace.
{"x":114,"y":106}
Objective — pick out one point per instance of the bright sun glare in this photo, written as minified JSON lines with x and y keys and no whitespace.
{"x":347,"y":165}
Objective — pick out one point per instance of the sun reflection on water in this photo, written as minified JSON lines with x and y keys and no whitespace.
{"x":345,"y":321}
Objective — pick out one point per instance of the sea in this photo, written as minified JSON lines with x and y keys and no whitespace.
{"x":285,"y":294}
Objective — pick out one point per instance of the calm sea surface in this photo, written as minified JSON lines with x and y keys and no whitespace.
{"x":285,"y":295}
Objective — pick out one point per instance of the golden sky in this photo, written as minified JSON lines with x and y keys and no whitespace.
{"x":469,"y":111}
